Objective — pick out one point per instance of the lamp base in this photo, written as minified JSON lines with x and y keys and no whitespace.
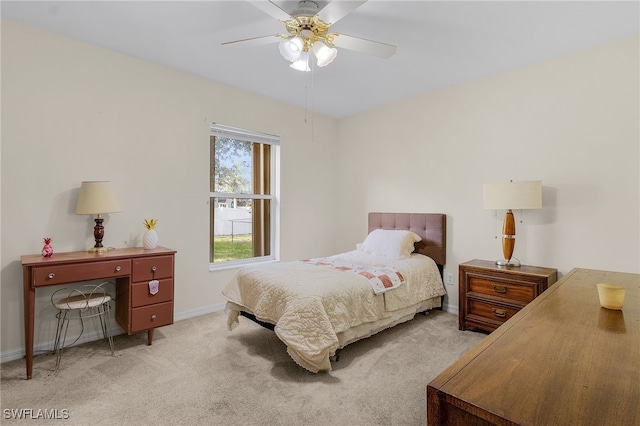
{"x":98,"y":250}
{"x":512,"y":262}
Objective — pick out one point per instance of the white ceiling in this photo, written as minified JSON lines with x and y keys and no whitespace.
{"x":440,"y":43}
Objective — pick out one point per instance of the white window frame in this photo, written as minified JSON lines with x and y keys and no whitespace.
{"x":220,"y":130}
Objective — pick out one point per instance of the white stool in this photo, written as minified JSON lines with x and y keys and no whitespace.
{"x":90,"y":301}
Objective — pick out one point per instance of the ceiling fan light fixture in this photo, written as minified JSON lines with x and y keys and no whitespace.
{"x":308,"y":30}
{"x":302,"y":64}
{"x":291,"y":48}
{"x":323,"y":53}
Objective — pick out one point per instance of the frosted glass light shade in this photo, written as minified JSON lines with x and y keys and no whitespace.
{"x":291,"y":48}
{"x":97,"y":197}
{"x":324,"y":54}
{"x":302,"y":64}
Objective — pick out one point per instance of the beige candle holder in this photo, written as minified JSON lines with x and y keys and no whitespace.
{"x":611,"y":296}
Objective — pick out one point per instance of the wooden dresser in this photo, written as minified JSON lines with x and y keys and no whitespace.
{"x":489,"y":294}
{"x":561,"y":360}
{"x":131,"y":269}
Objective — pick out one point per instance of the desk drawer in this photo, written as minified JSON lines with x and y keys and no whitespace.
{"x":524,"y":292}
{"x":152,"y":268}
{"x":151,"y":316}
{"x":62,"y":274}
{"x":140,"y":295}
{"x":491,"y":311}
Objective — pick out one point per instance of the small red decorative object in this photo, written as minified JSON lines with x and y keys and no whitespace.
{"x":47,"y":250}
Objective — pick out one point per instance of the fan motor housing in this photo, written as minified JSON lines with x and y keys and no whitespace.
{"x":305,"y":8}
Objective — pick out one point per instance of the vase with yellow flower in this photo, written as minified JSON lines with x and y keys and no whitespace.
{"x":150,"y":238}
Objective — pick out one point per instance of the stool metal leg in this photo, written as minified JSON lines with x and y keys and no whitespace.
{"x":58,"y":347}
{"x":56,"y":342}
{"x":64,"y":322}
{"x":106,"y":325}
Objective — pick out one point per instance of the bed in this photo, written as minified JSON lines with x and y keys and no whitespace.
{"x":318,"y":306}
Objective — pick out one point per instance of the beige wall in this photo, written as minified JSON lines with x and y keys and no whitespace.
{"x":572,"y":122}
{"x":73,"y":112}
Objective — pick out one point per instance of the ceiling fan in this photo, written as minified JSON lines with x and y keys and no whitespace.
{"x":307,"y":29}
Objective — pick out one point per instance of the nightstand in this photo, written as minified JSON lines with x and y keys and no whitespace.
{"x":490,"y":294}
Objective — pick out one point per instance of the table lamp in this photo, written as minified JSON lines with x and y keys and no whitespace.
{"x":97,"y":197}
{"x":516,"y":196}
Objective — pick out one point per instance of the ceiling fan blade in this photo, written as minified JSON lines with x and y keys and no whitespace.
{"x":338,"y":9}
{"x":270,"y":8}
{"x":253,"y":41}
{"x":358,"y":44}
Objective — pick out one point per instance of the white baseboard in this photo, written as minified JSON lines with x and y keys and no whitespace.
{"x":45,"y":347}
{"x":452,"y":309}
{"x":198,"y":312}
{"x":116,"y":330}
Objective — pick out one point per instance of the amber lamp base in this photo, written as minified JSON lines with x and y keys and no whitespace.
{"x":508,"y":241}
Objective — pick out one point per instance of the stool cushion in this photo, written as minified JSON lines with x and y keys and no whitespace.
{"x":82,"y":302}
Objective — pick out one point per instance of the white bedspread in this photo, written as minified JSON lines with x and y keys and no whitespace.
{"x":310,"y":304}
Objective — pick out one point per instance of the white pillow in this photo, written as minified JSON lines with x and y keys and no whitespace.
{"x":393,"y":244}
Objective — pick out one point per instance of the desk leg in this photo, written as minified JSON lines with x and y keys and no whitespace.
{"x":29,"y":312}
{"x":149,"y":337}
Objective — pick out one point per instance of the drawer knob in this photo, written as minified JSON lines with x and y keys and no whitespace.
{"x":118,"y":268}
{"x":500,"y":313}
{"x":500,"y":288}
{"x":51,"y":275}
{"x":153,"y":268}
{"x":153,"y":316}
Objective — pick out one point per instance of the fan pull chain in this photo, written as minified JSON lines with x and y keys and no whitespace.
{"x":309,"y":80}
{"x":306,"y":97}
{"x":313,"y":74}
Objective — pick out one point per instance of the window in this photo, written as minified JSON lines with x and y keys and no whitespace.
{"x":243,"y":203}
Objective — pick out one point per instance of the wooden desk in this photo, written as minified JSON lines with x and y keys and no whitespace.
{"x":561,"y":360}
{"x":132,"y":269}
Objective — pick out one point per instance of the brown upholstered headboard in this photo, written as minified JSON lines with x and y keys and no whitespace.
{"x":432,"y":227}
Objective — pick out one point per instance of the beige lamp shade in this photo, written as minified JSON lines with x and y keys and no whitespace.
{"x":513,"y":195}
{"x":97,"y":197}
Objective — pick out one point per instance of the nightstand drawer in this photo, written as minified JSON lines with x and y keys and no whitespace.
{"x":140,"y":295}
{"x":491,"y":311}
{"x":522,"y":292}
{"x":151,"y":316}
{"x":152,"y":268}
{"x":61,"y":274}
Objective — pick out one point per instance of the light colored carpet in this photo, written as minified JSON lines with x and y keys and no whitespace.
{"x":197,"y":373}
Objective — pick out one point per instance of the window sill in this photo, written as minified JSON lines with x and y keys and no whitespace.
{"x":240,"y":264}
